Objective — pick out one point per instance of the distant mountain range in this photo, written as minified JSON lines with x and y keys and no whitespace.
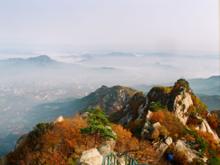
{"x":43,"y":67}
{"x":212,"y":101}
{"x":208,"y":89}
{"x":206,"y":86}
{"x":42,"y":60}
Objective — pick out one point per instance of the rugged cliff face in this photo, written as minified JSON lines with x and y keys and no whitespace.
{"x":181,"y":105}
{"x":182,"y":117}
{"x":169,"y":121}
{"x":174,"y":113}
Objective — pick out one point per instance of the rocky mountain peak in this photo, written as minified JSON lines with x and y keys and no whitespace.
{"x":110,"y":99}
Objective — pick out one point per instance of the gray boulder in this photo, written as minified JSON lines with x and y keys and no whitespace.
{"x":91,"y":157}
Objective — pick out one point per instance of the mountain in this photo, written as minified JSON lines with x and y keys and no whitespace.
{"x":39,"y":70}
{"x":208,"y":89}
{"x":212,"y":101}
{"x":202,"y":86}
{"x":111,"y":99}
{"x":170,"y":121}
{"x":41,"y":60}
{"x":14,"y":69}
{"x":206,"y":86}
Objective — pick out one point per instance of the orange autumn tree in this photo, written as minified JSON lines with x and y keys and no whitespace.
{"x":169,"y":121}
{"x":213,"y":120}
{"x":125,"y":140}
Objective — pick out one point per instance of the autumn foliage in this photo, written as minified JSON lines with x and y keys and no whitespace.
{"x":63,"y":143}
{"x":213,"y":120}
{"x":141,"y":150}
{"x":125,"y":140}
{"x":60,"y":144}
{"x":170,"y":122}
{"x":213,"y":144}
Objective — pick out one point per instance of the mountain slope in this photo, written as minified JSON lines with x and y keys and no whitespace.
{"x":172,"y":120}
{"x":110,"y":99}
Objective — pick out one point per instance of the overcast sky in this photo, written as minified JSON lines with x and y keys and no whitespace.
{"x":161,"y":25}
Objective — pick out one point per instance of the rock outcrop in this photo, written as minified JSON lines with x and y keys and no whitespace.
{"x":162,"y":146}
{"x":91,"y":157}
{"x":107,"y":147}
{"x":182,"y":103}
{"x":181,"y":147}
{"x":134,"y":109}
{"x":205,"y":127}
{"x":59,"y":120}
{"x":147,"y":129}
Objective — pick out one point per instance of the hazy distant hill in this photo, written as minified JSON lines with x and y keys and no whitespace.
{"x":208,"y":90}
{"x":209,"y":86}
{"x":212,"y":101}
{"x":42,"y":60}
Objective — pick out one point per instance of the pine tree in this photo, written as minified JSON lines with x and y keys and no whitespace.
{"x":98,"y":125}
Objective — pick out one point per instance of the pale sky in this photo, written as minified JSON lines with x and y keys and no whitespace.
{"x":163,"y":25}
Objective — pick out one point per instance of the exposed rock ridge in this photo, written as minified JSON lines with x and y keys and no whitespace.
{"x":182,"y":103}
